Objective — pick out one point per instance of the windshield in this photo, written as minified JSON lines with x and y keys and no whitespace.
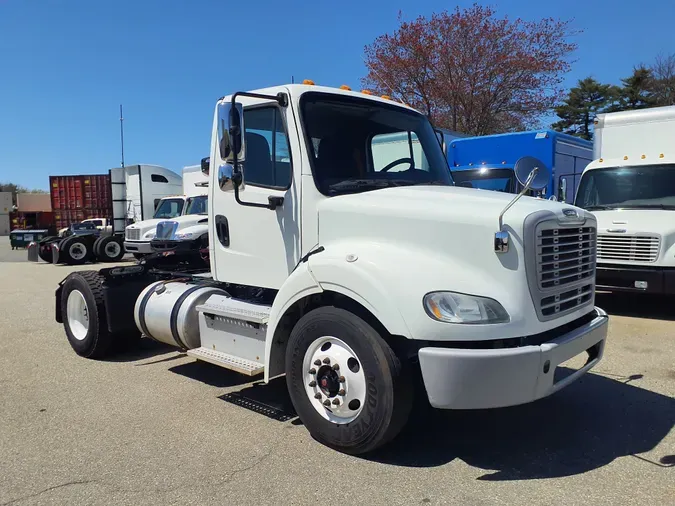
{"x":501,"y":180}
{"x":196,"y":205}
{"x":169,"y":208}
{"x":358,"y":145}
{"x":643,"y":187}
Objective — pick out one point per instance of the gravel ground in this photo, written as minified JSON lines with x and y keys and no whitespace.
{"x":157,"y":427}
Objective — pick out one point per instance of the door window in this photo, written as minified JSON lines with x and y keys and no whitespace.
{"x":268,"y":159}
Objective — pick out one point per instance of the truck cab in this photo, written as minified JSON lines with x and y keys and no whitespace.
{"x":630,"y":188}
{"x":351,"y":272}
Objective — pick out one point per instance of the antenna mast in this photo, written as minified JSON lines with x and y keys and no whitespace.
{"x":122,"y":134}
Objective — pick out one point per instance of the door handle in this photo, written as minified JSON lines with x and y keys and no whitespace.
{"x":223,"y":230}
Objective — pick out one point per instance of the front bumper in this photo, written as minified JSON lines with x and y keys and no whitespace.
{"x":659,"y":280}
{"x":162,"y":245}
{"x":142,"y":247}
{"x":492,"y":378}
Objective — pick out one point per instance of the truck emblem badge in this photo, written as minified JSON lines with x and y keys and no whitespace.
{"x":570,"y":213}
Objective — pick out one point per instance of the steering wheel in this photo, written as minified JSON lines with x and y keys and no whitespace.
{"x":398,"y":162}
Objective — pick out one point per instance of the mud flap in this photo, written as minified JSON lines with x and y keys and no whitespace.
{"x":33,"y":248}
{"x":55,"y":252}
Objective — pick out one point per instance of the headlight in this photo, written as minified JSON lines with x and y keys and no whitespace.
{"x":149,"y":235}
{"x":460,"y":308}
{"x":187,"y":235}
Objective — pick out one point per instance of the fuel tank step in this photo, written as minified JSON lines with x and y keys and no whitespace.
{"x":236,"y":309}
{"x":238,"y":364}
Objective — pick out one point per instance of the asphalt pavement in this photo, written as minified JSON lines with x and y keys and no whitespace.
{"x":154,"y":426}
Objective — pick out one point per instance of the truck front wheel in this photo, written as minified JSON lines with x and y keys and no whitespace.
{"x":347,"y":385}
{"x":84,"y":315}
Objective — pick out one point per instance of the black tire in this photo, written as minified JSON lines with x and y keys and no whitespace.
{"x":44,"y":249}
{"x":69,"y":245}
{"x":94,"y":248}
{"x":97,"y":341}
{"x":107,"y":252}
{"x":389,"y":392}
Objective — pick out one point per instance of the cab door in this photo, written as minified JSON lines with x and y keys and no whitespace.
{"x":252,"y":245}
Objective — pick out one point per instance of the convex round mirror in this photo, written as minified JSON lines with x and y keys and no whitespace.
{"x":524,"y":167}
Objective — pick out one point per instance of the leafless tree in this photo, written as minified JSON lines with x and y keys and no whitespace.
{"x":663,"y":71}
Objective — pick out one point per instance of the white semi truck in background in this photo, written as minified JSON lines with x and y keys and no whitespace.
{"x":630,"y":187}
{"x":351,"y":279}
{"x":192,"y":202}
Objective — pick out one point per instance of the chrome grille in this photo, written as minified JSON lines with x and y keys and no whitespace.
{"x":133,"y":234}
{"x":564,"y":256}
{"x":166,"y":229}
{"x":565,"y":268}
{"x":636,"y":248}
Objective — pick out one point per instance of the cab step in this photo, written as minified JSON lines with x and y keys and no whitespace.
{"x":238,"y":364}
{"x":227,"y":307}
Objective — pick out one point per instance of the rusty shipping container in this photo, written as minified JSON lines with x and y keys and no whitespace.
{"x":63,"y":218}
{"x":80,"y":192}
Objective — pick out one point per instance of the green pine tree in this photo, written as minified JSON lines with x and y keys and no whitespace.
{"x":582,"y":104}
{"x":637,"y":91}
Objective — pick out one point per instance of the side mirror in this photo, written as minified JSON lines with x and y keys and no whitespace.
{"x":206,"y":165}
{"x":231,"y":132}
{"x":532,"y":173}
{"x":232,"y":149}
{"x":562,"y":190}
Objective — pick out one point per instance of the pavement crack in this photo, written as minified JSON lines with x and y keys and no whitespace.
{"x":48,"y":489}
{"x":256,"y":463}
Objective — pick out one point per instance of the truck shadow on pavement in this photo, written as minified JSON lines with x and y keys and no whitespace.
{"x":581,"y":428}
{"x":637,"y":306}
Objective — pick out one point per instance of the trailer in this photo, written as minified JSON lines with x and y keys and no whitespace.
{"x":487,"y":162}
{"x":92,"y":211}
{"x":352,"y":279}
{"x":630,"y":188}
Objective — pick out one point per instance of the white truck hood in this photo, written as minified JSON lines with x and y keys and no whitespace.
{"x":145,"y":227}
{"x":437,"y":204}
{"x":187,"y":226}
{"x":419,"y":239}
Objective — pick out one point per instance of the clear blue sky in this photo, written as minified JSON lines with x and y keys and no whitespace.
{"x":65,"y":66}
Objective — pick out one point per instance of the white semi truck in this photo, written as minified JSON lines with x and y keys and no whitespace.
{"x":630,"y":187}
{"x":138,"y":236}
{"x":351,"y":279}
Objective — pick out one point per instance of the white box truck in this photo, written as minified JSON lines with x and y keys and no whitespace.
{"x":630,"y":188}
{"x":351,"y":282}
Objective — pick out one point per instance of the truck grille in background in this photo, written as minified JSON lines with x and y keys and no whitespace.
{"x":166,"y":229}
{"x":636,"y":248}
{"x":133,"y":234}
{"x":565,"y":268}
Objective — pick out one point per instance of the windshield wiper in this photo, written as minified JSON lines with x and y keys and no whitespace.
{"x":598,"y":207}
{"x":358,"y":184}
{"x":650,"y":206}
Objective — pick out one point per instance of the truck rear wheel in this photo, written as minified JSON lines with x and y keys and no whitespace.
{"x":347,"y":385}
{"x":84,"y":315}
{"x":110,"y":249}
{"x":74,"y":251}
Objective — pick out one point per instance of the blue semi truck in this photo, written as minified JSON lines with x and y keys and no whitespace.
{"x":487,"y":162}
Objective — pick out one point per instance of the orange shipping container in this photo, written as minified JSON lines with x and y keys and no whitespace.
{"x":80,"y":192}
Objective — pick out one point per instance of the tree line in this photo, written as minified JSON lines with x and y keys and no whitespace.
{"x":647,"y":86}
{"x":475,"y":72}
